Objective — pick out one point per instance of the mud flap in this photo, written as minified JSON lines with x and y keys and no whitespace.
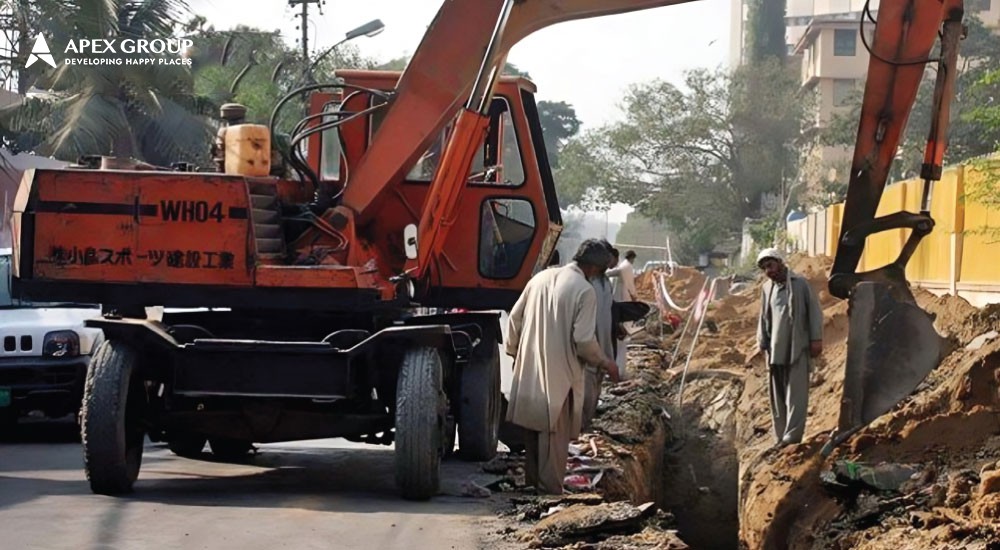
{"x":891,"y":347}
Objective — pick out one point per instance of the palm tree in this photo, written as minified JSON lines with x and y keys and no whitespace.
{"x":149,"y":112}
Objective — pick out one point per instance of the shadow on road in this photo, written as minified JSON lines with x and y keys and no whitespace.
{"x":63,"y":430}
{"x":331,"y":480}
{"x":306,"y":478}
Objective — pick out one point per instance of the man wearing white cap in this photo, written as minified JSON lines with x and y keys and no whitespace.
{"x":789,"y":333}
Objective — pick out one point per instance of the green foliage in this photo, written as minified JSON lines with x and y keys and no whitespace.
{"x":987,"y":193}
{"x":559,"y":123}
{"x":143,"y":111}
{"x":766,"y":31}
{"x":986,"y":112}
{"x":397,"y":64}
{"x":640,"y":230}
{"x":688,"y":156}
{"x":766,"y":231}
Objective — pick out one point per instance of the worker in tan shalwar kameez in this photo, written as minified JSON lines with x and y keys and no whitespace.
{"x":551,"y":333}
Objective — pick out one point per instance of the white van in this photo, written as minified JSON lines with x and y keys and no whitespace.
{"x":44,"y":353}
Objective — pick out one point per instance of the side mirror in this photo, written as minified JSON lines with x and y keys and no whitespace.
{"x":410,"y":241}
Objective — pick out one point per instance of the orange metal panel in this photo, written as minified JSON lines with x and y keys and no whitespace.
{"x":136,"y":227}
{"x":323,"y":276}
{"x":313,"y":276}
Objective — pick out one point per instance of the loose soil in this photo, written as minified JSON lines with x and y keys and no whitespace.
{"x":706,"y":457}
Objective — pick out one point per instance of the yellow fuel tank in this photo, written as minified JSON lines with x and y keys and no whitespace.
{"x":248,"y":150}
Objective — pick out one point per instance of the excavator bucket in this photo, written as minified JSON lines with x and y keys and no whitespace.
{"x":891,"y":347}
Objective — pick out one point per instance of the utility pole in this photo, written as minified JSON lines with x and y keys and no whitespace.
{"x":304,"y":24}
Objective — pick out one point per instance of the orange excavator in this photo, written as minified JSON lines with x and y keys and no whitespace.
{"x":306,"y":296}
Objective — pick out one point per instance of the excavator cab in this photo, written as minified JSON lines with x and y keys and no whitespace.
{"x":509,"y":220}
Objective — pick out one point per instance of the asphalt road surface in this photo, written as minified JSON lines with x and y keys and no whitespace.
{"x":317,"y":494}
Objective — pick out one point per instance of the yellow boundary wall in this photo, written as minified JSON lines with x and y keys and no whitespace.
{"x":960,"y":256}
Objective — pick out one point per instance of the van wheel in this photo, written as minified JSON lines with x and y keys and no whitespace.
{"x":111,"y":420}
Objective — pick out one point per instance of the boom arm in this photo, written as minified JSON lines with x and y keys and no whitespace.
{"x":903,"y":39}
{"x":440,"y":77}
{"x":892,"y":345}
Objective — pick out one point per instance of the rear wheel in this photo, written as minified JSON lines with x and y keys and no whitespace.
{"x":111,"y":420}
{"x":479,"y":402}
{"x":421,"y":420}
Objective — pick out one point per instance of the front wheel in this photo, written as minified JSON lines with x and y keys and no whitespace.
{"x":111,"y":420}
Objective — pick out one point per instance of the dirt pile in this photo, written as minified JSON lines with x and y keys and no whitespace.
{"x":949,"y":429}
{"x":683,"y":285}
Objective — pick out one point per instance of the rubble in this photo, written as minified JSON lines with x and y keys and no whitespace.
{"x":880,"y":477}
{"x":580,"y":522}
{"x":978,"y":342}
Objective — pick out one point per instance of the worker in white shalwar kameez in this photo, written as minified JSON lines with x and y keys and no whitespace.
{"x":624,"y":291}
{"x":789,"y":333}
{"x":552,"y":329}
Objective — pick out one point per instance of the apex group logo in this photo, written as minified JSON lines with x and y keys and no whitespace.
{"x":40,"y":52}
{"x":128,"y":51}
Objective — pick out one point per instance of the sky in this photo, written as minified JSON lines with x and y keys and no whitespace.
{"x":588,"y":64}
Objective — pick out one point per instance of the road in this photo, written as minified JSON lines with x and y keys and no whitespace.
{"x":318,"y":494}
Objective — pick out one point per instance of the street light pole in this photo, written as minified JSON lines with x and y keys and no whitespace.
{"x":369,"y":29}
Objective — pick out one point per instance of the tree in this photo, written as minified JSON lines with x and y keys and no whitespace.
{"x":688,"y":156}
{"x":766,"y":31}
{"x":256,"y":68}
{"x":559,"y":123}
{"x":987,"y":115}
{"x":143,"y":111}
{"x":768,"y":160}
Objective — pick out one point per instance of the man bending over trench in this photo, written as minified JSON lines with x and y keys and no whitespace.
{"x":551,"y":332}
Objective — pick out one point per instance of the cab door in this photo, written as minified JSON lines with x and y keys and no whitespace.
{"x":510,"y":220}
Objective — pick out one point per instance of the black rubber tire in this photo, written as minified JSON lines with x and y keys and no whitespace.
{"x":110,"y":420}
{"x":228,"y":449}
{"x":187,"y":445}
{"x":479,"y":401}
{"x":8,"y":423}
{"x":421,"y":411}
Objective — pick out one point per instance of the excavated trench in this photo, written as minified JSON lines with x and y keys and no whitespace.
{"x":710,"y":462}
{"x":702,"y":469}
{"x":684,"y":460}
